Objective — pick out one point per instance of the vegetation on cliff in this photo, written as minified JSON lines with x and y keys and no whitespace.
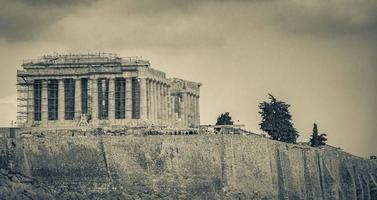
{"x":316,"y":138}
{"x":224,"y":119}
{"x":16,"y":186}
{"x":277,"y":121}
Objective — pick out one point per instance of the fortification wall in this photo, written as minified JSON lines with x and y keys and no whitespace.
{"x":197,"y":166}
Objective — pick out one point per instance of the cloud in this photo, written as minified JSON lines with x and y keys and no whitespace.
{"x":327,"y":18}
{"x":22,"y":20}
{"x":50,"y":3}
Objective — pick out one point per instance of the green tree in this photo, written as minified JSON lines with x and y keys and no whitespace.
{"x":224,"y":119}
{"x":317,"y":139}
{"x":277,"y":121}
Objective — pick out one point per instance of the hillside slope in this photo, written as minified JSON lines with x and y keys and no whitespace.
{"x":196,"y":166}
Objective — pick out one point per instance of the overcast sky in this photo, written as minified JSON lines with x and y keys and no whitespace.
{"x":319,"y":55}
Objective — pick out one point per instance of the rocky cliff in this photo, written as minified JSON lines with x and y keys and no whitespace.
{"x":188,"y":167}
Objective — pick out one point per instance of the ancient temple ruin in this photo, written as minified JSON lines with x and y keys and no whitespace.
{"x":102,"y":89}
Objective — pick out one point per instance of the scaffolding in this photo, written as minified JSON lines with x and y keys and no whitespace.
{"x":37,"y":89}
{"x":84,"y":60}
{"x":23,"y":88}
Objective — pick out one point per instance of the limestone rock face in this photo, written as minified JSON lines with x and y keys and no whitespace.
{"x":190,"y":167}
{"x":17,"y":186}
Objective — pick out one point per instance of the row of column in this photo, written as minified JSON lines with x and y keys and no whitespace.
{"x":158,"y":102}
{"x":157,"y":105}
{"x":92,"y":100}
{"x":189,"y":109}
{"x":61,"y":101}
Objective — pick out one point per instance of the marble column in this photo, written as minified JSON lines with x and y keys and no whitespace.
{"x":173,"y":115}
{"x":175,"y":109}
{"x":170,"y":108}
{"x":167,"y":105}
{"x":193,"y":109}
{"x":189,"y":109}
{"x":197,"y":111}
{"x":147,"y":99}
{"x":158,"y":105}
{"x":94,"y":99}
{"x":168,"y":122}
{"x":154,"y":102}
{"x":150,"y":86}
{"x":162,"y":103}
{"x":44,"y":107}
{"x":61,"y":101}
{"x":151,"y":108}
{"x":150,"y":96}
{"x":157,"y":102}
{"x":30,"y":104}
{"x":182,"y":109}
{"x":155,"y":99}
{"x":188,"y":114}
{"x":143,"y":98}
{"x":111,"y":116}
{"x":128,"y":98}
{"x":163,"y":118}
{"x":78,"y":99}
{"x":150,"y":100}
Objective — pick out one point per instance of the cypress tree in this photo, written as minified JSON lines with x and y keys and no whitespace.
{"x":277,"y":121}
{"x":317,"y":139}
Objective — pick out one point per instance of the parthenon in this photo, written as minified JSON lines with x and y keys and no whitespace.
{"x":102,"y":89}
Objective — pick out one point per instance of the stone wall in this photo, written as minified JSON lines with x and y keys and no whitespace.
{"x":192,"y":167}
